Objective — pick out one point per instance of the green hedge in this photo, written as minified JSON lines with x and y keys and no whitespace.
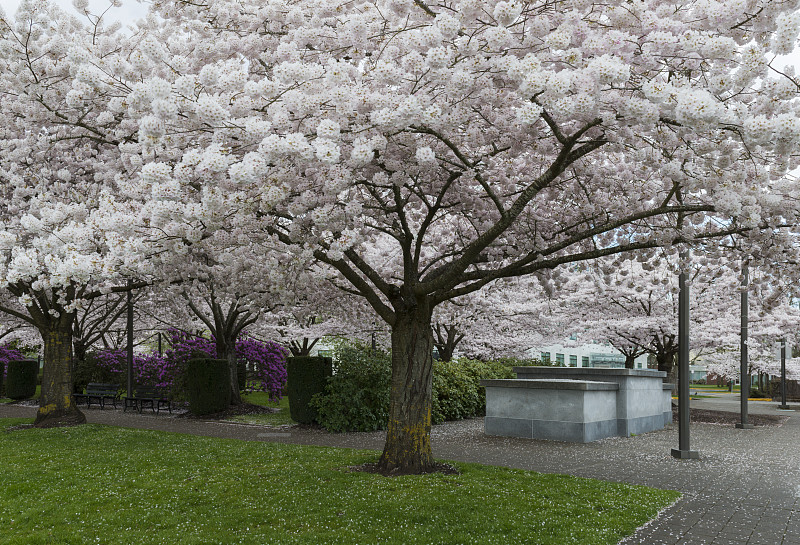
{"x":306,"y":377}
{"x":21,"y":379}
{"x":356,"y":397}
{"x":209,"y":386}
{"x":241,"y":374}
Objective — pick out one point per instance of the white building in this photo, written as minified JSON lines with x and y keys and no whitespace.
{"x":585,"y":355}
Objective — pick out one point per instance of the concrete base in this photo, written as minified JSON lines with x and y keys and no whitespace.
{"x":576,"y":411}
{"x":784,"y":407}
{"x":685,"y":454}
{"x":577,"y":405}
{"x":745,"y":426}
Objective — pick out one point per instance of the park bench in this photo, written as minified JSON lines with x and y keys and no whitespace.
{"x":100,"y":393}
{"x":148,"y":397}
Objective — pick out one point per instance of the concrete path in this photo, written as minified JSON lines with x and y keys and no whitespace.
{"x":745,"y":489}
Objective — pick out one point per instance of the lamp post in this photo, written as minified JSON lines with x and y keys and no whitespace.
{"x":129,"y":351}
{"x":744,"y":380}
{"x":683,"y":451}
{"x":783,"y":404}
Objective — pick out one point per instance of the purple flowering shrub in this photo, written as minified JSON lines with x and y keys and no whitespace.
{"x":268,"y":361}
{"x":8,"y":354}
{"x":168,"y":371}
{"x":148,"y":369}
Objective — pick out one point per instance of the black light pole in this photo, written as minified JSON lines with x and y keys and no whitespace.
{"x":159,"y":344}
{"x":783,"y":404}
{"x":683,"y":451}
{"x":129,"y":350}
{"x":744,"y":390}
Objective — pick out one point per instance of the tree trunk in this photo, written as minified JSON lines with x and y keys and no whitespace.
{"x":408,"y":439}
{"x":630,"y":361}
{"x":56,"y":405}
{"x":666,"y":360}
{"x":226,"y":350}
{"x":302,"y":349}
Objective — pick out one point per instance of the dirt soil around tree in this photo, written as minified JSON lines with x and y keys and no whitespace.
{"x":728,"y":418}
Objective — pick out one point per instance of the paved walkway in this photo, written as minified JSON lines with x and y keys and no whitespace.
{"x":745,"y":489}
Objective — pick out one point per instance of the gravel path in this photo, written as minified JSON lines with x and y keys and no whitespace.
{"x":744,"y":489}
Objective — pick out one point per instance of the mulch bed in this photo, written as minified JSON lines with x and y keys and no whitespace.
{"x":234,"y":410}
{"x":728,"y":418}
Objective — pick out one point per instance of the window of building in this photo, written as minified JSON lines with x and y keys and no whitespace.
{"x":573,"y":361}
{"x":584,"y":361}
{"x":560,"y":359}
{"x":545,"y":357}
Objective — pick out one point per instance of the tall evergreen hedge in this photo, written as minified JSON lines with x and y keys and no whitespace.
{"x":21,"y":379}
{"x":307,"y":375}
{"x":209,"y":385}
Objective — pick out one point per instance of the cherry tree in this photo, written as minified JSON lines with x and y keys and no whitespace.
{"x":59,"y":165}
{"x":424,"y":151}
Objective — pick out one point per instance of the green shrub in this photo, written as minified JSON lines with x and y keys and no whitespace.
{"x":241,"y":374}
{"x":754,"y":392}
{"x":2,"y":373}
{"x":356,"y":397}
{"x":457,"y":390}
{"x":306,"y":377}
{"x":21,"y":379}
{"x":208,"y":382}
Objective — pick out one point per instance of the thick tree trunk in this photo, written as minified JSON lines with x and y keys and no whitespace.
{"x":56,"y":405}
{"x":408,"y":439}
{"x":226,"y":350}
{"x":666,"y":361}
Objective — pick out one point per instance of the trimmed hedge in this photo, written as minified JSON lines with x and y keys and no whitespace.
{"x":21,"y":379}
{"x":209,"y":385}
{"x":306,"y":377}
{"x":2,"y":373}
{"x":356,"y":398}
{"x":241,"y":374}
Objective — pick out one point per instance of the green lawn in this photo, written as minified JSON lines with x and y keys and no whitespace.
{"x":280,"y":418}
{"x":99,"y":484}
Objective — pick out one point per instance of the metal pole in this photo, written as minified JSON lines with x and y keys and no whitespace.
{"x":783,"y":404}
{"x":744,"y":390}
{"x":683,"y":451}
{"x":159,"y":344}
{"x":130,"y":341}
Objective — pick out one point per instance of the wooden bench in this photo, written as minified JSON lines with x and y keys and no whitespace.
{"x":147,"y":397}
{"x":100,"y":393}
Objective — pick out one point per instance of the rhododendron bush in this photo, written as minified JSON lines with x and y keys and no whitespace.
{"x":267,"y":360}
{"x":7,"y":354}
{"x":424,"y":150}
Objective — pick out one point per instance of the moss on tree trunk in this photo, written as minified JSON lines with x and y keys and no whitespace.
{"x":408,"y":438}
{"x":56,"y":405}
